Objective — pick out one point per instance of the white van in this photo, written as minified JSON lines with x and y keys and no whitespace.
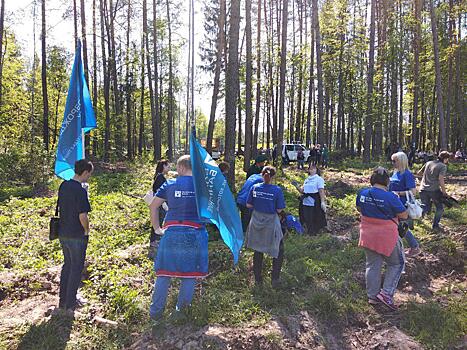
{"x":290,"y":150}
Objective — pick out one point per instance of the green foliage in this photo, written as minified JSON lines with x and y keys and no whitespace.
{"x":435,"y":326}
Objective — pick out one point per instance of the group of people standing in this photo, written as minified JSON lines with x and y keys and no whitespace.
{"x":181,"y":239}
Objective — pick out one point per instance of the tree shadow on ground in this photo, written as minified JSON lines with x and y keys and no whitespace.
{"x":52,"y":333}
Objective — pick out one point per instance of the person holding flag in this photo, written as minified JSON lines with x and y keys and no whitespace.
{"x":73,"y":202}
{"x":183,"y":249}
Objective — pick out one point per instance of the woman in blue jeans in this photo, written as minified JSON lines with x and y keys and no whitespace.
{"x":183,"y":249}
{"x":402,"y":181}
{"x":380,"y":210}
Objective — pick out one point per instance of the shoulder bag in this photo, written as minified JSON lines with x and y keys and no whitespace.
{"x":414,"y":208}
{"x":402,"y":226}
{"x":54,"y":225}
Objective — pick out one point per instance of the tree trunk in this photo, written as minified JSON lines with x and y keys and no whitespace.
{"x":156,"y":121}
{"x":449,"y":138}
{"x":369,"y":108}
{"x":217,"y":73}
{"x":439,"y":86}
{"x":416,"y":70}
{"x":2,"y":19}
{"x":311,"y":88}
{"x":231,"y":90}
{"x":340,"y":107}
{"x":248,"y":89}
{"x":170,"y":114}
{"x":94,"y":65}
{"x":319,"y":67}
{"x":85,"y":63}
{"x":283,"y":68}
{"x":128,"y":88}
{"x":258,"y":82}
{"x":299,"y":120}
{"x":45,"y":99}
{"x":75,"y":22}
{"x":105,"y":74}
{"x":460,"y":97}
{"x":141,"y":112}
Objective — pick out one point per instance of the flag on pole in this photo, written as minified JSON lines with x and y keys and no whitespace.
{"x":214,"y":200}
{"x":78,"y":119}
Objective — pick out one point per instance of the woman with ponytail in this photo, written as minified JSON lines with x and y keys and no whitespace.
{"x":264,"y":234}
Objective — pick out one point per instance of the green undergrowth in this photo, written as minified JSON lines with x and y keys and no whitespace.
{"x":318,"y":274}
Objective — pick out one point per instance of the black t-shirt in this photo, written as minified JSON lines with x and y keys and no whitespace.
{"x":253,"y":169}
{"x":158,"y":182}
{"x":72,"y":201}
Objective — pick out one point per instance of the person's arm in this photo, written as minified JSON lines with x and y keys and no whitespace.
{"x":322,"y":195}
{"x":404,"y":215}
{"x":84,"y":220}
{"x":442,"y":185}
{"x":154,"y":214}
{"x":249,"y":206}
{"x":422,"y":169}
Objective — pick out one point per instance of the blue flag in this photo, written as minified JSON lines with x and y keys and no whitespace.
{"x":78,"y":119}
{"x":213,"y":197}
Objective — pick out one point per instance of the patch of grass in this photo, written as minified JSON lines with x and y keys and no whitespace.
{"x":435,"y":326}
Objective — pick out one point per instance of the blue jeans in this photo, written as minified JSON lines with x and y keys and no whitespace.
{"x":411,"y":241}
{"x":395,"y":264}
{"x":161,"y":289}
{"x":74,"y":254}
{"x":427,"y":197}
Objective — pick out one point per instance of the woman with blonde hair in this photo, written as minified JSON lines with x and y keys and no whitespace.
{"x":401,"y":182}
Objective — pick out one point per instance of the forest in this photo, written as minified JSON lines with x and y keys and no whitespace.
{"x":358,"y":76}
{"x":366,"y":78}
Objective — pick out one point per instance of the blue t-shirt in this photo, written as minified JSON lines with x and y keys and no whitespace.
{"x":402,"y":182}
{"x":266,"y":198}
{"x":180,"y":196}
{"x":72,"y":201}
{"x":243,"y":194}
{"x":379,"y":204}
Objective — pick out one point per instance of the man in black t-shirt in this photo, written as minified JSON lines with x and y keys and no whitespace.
{"x":73,"y":231}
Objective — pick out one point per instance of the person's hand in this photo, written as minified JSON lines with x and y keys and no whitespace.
{"x":86,"y":233}
{"x":323,"y":206}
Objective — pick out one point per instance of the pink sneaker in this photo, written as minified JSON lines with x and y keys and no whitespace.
{"x":387,"y":300}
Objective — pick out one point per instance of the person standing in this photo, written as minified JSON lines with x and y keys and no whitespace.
{"x":312,"y":207}
{"x":432,"y":187}
{"x":325,"y":156}
{"x":73,"y":232}
{"x":242,"y":197}
{"x":183,"y":250}
{"x":401,"y":182}
{"x":264,"y":234}
{"x":224,"y":167}
{"x":258,"y":165}
{"x":162,"y":168}
{"x":300,"y":158}
{"x":318,"y":154}
{"x":379,"y":212}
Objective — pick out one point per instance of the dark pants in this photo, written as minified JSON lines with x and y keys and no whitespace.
{"x":427,"y":197}
{"x":313,"y":218}
{"x":74,"y":254}
{"x":276,"y":264}
{"x":245,"y":214}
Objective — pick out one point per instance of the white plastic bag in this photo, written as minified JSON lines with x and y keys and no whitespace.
{"x":414,"y":208}
{"x":149,"y":197}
